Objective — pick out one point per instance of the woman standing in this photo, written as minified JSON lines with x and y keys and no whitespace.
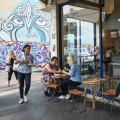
{"x":97,"y":54}
{"x":24,"y":72}
{"x":10,"y":61}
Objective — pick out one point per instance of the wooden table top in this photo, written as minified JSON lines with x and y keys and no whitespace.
{"x":93,"y":81}
{"x":60,"y":76}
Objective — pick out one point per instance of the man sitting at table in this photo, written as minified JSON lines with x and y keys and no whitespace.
{"x":74,"y":80}
{"x":49,"y":70}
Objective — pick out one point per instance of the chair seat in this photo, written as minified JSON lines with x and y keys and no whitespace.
{"x":110,"y":92}
{"x":75,"y":92}
{"x":51,"y":85}
{"x":118,"y":98}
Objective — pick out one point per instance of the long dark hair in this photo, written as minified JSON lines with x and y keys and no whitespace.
{"x":25,"y":46}
{"x":53,"y":58}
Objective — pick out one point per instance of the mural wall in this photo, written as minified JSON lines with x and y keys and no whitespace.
{"x":27,"y":24}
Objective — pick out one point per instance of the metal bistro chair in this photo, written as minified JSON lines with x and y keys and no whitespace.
{"x":109,"y":96}
{"x":49,"y":86}
{"x":77,"y":93}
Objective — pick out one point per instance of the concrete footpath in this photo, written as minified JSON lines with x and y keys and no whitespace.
{"x":41,"y":107}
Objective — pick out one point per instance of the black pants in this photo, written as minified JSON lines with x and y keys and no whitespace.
{"x":118,"y":90}
{"x":66,"y":83}
{"x":27,"y":78}
{"x":11,"y":72}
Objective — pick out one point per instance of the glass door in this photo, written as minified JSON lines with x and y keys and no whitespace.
{"x":80,"y":34}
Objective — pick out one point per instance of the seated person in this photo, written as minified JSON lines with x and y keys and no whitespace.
{"x":49,"y":70}
{"x":74,"y":80}
{"x":97,"y":54}
{"x":117,"y":90}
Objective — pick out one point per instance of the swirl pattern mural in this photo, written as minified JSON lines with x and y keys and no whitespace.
{"x":40,"y":52}
{"x":27,"y":24}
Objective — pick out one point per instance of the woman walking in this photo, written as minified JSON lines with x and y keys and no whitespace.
{"x":10,"y":61}
{"x":24,"y":72}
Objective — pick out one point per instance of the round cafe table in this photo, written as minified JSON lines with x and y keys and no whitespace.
{"x":60,"y":76}
{"x":94,"y":85}
{"x":57,"y":78}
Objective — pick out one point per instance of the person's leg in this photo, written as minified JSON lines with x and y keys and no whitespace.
{"x":9,"y":76}
{"x":65,"y":84}
{"x":16,"y":75}
{"x":27,"y":82}
{"x":21,"y":83}
{"x":118,"y":90}
{"x":21,"y":87}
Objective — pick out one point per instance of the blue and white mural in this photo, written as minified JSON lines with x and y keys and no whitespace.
{"x":27,"y":24}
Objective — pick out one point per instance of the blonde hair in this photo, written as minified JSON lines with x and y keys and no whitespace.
{"x":71,"y":60}
{"x":11,"y":53}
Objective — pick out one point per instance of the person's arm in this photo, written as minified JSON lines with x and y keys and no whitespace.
{"x":18,"y":59}
{"x":67,"y":73}
{"x":71,"y":72}
{"x":48,"y":67}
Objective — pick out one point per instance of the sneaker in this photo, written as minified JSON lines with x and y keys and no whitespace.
{"x":21,"y":101}
{"x":61,"y":97}
{"x":25,"y":99}
{"x":68,"y":96}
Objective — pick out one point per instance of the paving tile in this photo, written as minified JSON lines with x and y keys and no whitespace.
{"x":39,"y":108}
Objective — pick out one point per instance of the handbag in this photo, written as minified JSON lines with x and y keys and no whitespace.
{"x":7,"y":68}
{"x":15,"y":67}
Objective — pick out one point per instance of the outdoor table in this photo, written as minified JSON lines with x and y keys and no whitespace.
{"x":95,"y":82}
{"x":60,"y":76}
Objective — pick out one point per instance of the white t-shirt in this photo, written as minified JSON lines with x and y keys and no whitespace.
{"x":23,"y":67}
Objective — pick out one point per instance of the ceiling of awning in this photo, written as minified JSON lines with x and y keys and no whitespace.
{"x":7,"y":7}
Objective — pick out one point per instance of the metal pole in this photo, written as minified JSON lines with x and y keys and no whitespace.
{"x":101,"y":65}
{"x":60,"y":38}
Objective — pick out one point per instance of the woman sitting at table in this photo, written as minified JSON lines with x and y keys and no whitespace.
{"x":74,"y":80}
{"x":49,"y":70}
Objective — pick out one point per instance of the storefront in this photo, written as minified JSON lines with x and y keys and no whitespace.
{"x":86,"y":24}
{"x":80,"y":30}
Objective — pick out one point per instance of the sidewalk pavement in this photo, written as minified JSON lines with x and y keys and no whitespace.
{"x":41,"y":107}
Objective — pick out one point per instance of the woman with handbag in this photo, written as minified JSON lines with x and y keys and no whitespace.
{"x":10,"y":61}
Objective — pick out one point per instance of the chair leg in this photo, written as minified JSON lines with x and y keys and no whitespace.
{"x":77,"y":106}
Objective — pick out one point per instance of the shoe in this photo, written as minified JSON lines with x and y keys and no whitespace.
{"x":46,"y":93}
{"x":61,"y":97}
{"x":68,"y":96}
{"x":21,"y":101}
{"x":25,"y":99}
